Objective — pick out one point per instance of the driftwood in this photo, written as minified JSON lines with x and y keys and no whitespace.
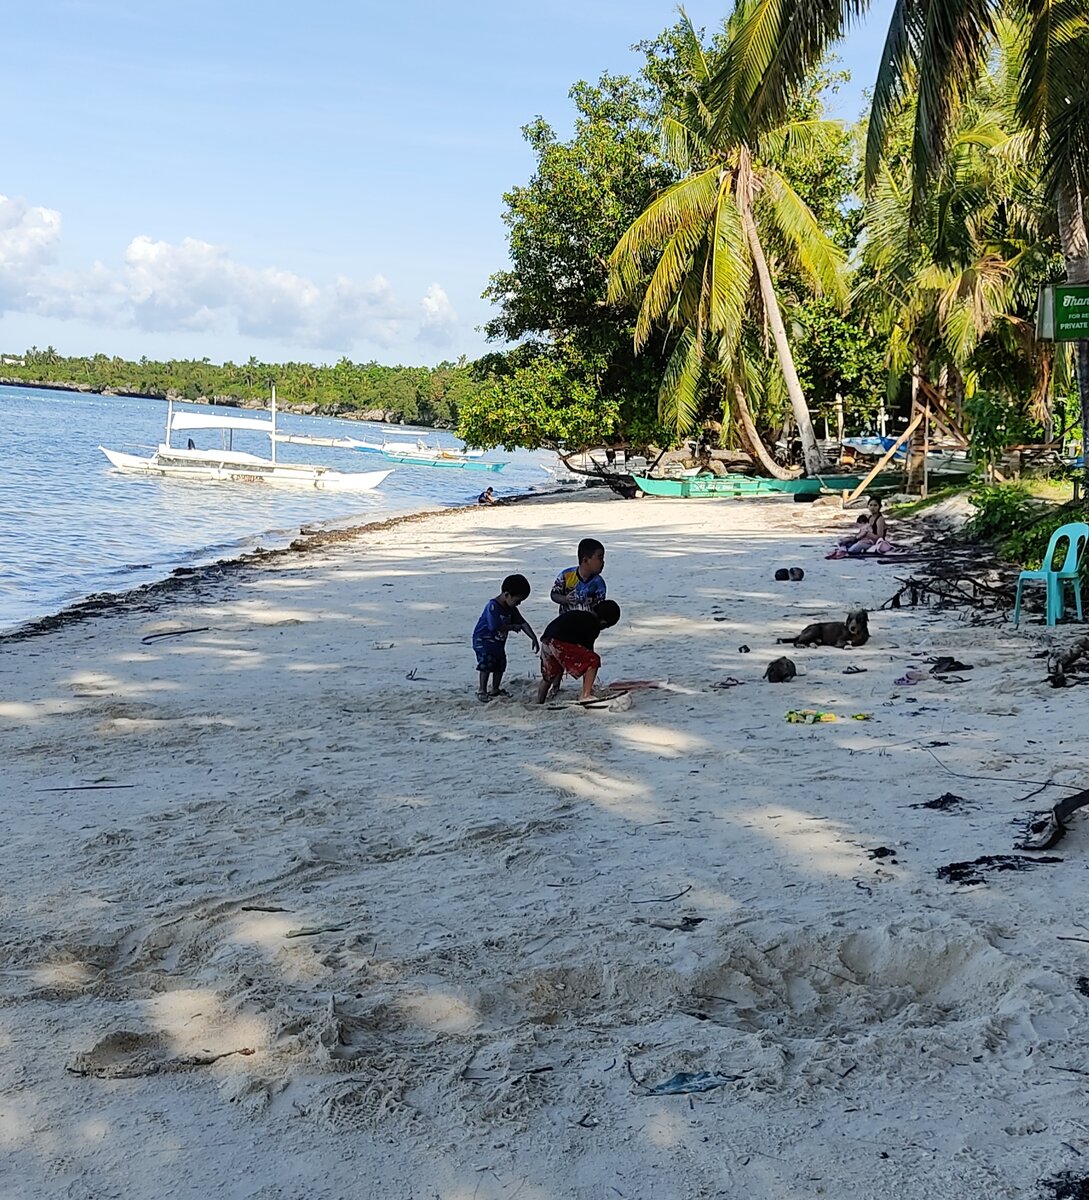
{"x":951,"y":573}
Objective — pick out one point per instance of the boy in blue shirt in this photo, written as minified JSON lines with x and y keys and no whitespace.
{"x":499,"y":617}
{"x":580,"y":588}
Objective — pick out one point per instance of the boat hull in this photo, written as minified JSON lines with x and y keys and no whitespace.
{"x":734,"y":486}
{"x":245,"y":469}
{"x":456,"y":464}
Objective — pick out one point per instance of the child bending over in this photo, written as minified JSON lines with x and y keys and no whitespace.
{"x":499,"y":617}
{"x":568,"y":645}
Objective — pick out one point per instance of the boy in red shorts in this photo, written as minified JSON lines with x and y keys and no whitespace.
{"x":568,"y":645}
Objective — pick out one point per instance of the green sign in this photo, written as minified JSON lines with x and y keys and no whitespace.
{"x":1072,"y":313}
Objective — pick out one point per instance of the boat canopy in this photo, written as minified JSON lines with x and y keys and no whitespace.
{"x":188,"y":420}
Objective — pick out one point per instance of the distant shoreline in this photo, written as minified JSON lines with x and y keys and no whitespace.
{"x":370,"y":416}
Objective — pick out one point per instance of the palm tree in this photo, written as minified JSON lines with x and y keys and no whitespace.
{"x":708,"y":232}
{"x":938,"y":49}
{"x":951,"y":278}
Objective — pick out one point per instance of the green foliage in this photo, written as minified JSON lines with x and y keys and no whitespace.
{"x":562,"y":226}
{"x":999,"y":509}
{"x":838,"y":354}
{"x":997,"y":422}
{"x":1020,"y":525}
{"x":538,"y":403}
{"x":416,"y":395}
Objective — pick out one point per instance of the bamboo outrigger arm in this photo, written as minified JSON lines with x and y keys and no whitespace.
{"x":886,"y":458}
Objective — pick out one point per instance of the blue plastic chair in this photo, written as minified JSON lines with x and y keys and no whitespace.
{"x":1055,"y":580}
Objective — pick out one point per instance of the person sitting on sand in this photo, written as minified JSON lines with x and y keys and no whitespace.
{"x":581,"y":587}
{"x":568,"y":645}
{"x":499,"y":617}
{"x":870,"y":536}
{"x":487,"y":496}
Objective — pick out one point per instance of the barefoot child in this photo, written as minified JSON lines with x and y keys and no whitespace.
{"x":499,"y":617}
{"x":568,"y":645}
{"x":582,"y":587}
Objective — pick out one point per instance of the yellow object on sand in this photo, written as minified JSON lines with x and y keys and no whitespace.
{"x":809,"y":716}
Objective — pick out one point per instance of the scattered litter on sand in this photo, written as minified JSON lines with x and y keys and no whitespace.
{"x":946,"y":802}
{"x":685,"y":1082}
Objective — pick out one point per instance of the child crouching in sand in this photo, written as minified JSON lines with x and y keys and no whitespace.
{"x":568,"y":645}
{"x":499,"y":617}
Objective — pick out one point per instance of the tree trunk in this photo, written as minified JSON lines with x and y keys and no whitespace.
{"x":916,"y":451}
{"x":751,"y":440}
{"x":811,"y":454}
{"x":1074,"y":236}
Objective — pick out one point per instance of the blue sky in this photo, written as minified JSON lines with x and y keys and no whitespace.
{"x":299,"y":181}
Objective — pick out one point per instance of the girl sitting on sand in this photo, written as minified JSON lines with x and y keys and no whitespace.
{"x":870,"y":536}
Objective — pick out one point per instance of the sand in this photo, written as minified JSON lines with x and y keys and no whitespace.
{"x":287,"y":913}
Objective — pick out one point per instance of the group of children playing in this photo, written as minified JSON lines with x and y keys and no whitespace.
{"x":567,"y":643}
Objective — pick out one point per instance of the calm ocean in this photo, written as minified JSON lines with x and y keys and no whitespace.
{"x":70,"y":526}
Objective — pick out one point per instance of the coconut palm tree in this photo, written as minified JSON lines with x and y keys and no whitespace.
{"x":962,"y":263}
{"x":709,"y":233}
{"x":937,"y":50}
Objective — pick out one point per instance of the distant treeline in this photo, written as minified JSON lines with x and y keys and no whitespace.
{"x":415,"y":395}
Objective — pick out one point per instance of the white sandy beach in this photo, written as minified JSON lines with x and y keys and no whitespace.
{"x":450,"y":937}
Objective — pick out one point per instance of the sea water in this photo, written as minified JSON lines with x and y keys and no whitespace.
{"x":71,"y":526}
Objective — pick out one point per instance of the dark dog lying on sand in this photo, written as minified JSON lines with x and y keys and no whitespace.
{"x":854,"y":631}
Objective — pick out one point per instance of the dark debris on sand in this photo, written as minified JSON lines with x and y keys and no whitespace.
{"x":973,"y":872}
{"x":945,"y":802}
{"x":1065,"y":1186}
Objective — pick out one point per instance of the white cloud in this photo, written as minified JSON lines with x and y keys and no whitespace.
{"x":28,"y":243}
{"x":194,"y":286}
{"x":439,"y":318}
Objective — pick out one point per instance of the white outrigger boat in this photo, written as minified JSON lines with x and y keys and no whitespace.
{"x":228,"y":465}
{"x":309,"y":439}
{"x":420,"y":454}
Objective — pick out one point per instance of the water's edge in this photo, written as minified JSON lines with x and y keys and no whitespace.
{"x":148,"y":597}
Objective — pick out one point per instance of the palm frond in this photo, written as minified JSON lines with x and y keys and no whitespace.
{"x":806,"y":139}
{"x":682,"y":385}
{"x":773,"y":45}
{"x":816,"y":255}
{"x":729,"y":278}
{"x":673,"y":266}
{"x":957,"y":37}
{"x":893,"y":82}
{"x":687,"y":204}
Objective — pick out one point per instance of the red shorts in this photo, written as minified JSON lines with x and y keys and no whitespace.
{"x":557,"y":657}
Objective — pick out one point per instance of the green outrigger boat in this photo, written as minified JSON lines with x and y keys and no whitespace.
{"x":695,"y":486}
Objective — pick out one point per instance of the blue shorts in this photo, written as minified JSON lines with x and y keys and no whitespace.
{"x":490,"y":657}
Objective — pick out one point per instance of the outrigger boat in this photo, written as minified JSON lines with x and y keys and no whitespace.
{"x":228,"y":465}
{"x":744,"y":485}
{"x":309,"y":439}
{"x":419,"y":454}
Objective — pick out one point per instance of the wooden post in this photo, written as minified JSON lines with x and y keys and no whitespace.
{"x":926,"y":449}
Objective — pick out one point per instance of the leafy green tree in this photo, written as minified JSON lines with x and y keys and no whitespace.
{"x":539,"y":403}
{"x":562,"y":226}
{"x":838,"y":355}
